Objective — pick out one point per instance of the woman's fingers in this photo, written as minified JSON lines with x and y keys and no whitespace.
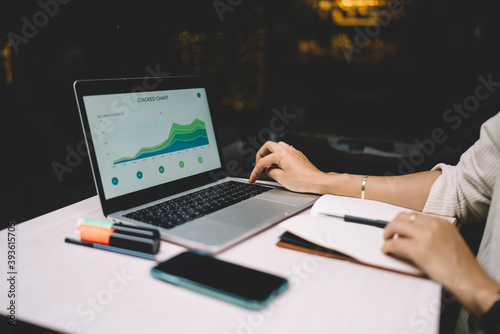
{"x":401,"y":247}
{"x":269,"y":154}
{"x":404,"y":224}
{"x":262,"y":164}
{"x":266,"y":149}
{"x":291,"y":168}
{"x":405,"y":236}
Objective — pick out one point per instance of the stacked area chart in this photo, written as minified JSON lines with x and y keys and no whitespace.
{"x":181,"y":137}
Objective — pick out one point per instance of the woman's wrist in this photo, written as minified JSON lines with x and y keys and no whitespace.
{"x":486,"y":297}
{"x":320,"y":183}
{"x":338,"y":184}
{"x":490,"y":321}
{"x":485,"y":308}
{"x":478,"y":295}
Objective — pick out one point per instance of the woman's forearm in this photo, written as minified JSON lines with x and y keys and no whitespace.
{"x":295,"y":172}
{"x":410,"y":191}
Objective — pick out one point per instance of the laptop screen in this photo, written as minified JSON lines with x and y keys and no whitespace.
{"x":145,"y":139}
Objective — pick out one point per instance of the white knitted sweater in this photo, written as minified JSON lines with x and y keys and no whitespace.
{"x":470,"y":192}
{"x":465,"y":190}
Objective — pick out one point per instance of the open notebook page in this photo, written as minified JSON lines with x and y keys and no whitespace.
{"x":359,"y":207}
{"x":362,"y":242}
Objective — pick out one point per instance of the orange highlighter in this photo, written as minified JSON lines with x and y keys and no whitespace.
{"x":121,"y":239}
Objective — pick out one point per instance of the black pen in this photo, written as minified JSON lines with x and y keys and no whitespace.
{"x":119,"y":250}
{"x":359,"y":220}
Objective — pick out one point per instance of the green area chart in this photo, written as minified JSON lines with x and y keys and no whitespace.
{"x":181,"y":137}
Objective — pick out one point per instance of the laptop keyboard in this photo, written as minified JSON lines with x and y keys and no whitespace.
{"x":183,"y":209}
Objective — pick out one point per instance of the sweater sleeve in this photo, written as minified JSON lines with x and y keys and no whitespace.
{"x":465,"y":190}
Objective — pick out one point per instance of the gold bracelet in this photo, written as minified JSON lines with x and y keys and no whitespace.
{"x":363,"y":185}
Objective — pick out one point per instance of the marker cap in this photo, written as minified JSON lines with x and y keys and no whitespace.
{"x":118,"y":227}
{"x":111,"y":237}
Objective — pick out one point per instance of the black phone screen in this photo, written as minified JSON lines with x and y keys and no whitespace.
{"x":234,"y":279}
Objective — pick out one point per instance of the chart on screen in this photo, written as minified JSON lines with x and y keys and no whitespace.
{"x":180,"y":137}
{"x":165,"y":136}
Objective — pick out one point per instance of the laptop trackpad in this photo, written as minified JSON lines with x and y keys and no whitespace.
{"x":251,"y":213}
{"x":225,"y":225}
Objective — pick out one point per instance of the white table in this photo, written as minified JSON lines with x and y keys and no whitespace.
{"x":70,"y":288}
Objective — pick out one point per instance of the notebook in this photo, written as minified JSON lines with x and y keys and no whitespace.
{"x":332,"y":237}
{"x":156,"y":162}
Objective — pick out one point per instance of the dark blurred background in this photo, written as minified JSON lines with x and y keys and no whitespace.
{"x":305,"y":55}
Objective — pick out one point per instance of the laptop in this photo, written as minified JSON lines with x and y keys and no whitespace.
{"x":157,"y":163}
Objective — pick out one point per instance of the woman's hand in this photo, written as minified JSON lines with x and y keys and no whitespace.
{"x":436,"y":247}
{"x":289,"y":167}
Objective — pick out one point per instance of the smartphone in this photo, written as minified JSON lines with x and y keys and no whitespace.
{"x":233,"y":283}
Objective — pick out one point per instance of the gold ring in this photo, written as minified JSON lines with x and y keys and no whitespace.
{"x":412,"y":218}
